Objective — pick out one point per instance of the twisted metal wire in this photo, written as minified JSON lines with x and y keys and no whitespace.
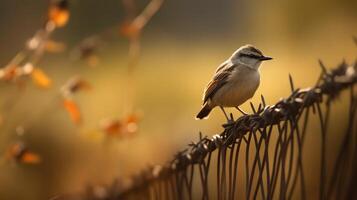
{"x":260,"y":156}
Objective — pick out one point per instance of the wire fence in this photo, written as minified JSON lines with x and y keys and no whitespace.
{"x":260,"y":156}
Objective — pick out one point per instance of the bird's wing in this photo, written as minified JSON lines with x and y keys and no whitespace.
{"x":219,"y":79}
{"x":222,"y":66}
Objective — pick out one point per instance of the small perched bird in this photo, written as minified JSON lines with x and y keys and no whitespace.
{"x":234,"y":82}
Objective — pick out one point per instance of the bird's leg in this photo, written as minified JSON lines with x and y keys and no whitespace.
{"x":240,"y":110}
{"x":225,"y":114}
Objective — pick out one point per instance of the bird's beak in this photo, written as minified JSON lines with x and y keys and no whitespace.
{"x":263,"y":58}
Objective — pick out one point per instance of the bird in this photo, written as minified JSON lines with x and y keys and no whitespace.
{"x":234,"y":82}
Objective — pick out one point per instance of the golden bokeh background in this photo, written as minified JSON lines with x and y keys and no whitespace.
{"x":181,"y":47}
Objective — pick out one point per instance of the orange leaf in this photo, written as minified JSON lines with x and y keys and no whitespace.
{"x":132,"y":118}
{"x":58,"y":15}
{"x":73,"y":110}
{"x":40,"y":78}
{"x":112,"y":126}
{"x":30,"y":158}
{"x":20,"y":153}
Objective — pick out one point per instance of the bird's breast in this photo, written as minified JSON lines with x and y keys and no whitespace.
{"x":241,"y":86}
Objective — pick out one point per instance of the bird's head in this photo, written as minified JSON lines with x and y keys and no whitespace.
{"x":249,"y":55}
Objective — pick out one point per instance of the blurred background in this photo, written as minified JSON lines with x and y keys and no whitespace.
{"x":181,"y":46}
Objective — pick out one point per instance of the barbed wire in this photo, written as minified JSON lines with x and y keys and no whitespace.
{"x":258,"y":155}
{"x":172,"y":180}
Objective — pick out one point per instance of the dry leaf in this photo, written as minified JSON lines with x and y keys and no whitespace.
{"x":40,"y":78}
{"x":30,"y":158}
{"x":58,"y":17}
{"x":72,"y":110}
{"x":112,"y":127}
{"x":20,"y":153}
{"x":125,"y":127}
{"x":58,"y":13}
{"x":132,"y":118}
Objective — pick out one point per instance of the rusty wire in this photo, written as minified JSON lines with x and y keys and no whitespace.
{"x":278,"y":174}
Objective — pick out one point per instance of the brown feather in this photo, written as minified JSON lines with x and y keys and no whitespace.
{"x":204,"y":112}
{"x":218,"y":80}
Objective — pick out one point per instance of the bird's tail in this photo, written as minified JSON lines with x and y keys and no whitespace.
{"x":206,"y":109}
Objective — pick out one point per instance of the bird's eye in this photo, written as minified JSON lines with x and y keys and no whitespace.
{"x":251,"y":56}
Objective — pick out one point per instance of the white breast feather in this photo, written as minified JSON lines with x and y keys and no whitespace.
{"x":240,"y":87}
